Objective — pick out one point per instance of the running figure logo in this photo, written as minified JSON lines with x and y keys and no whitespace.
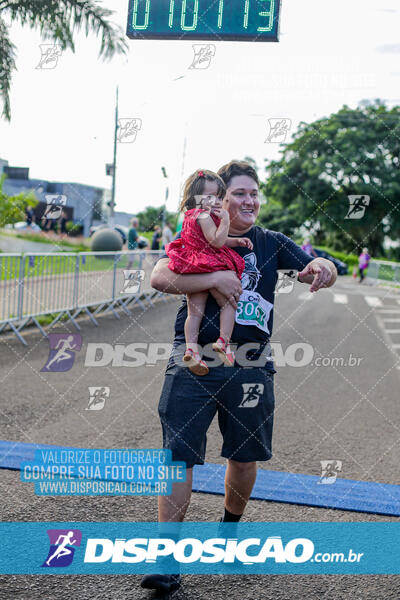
{"x":278,"y":130}
{"x":55,"y":203}
{"x":98,"y":397}
{"x":49,"y":56}
{"x":357,"y":207}
{"x":62,"y":351}
{"x":251,"y":394}
{"x":127,"y":130}
{"x":286,"y":279}
{"x":203,"y":54}
{"x":62,"y":542}
{"x":329,"y":471}
{"x":133,"y":279}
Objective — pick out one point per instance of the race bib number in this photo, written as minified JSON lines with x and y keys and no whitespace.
{"x":252,"y":309}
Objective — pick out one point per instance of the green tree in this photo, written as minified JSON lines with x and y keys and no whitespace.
{"x":352,"y":152}
{"x":57,"y":21}
{"x":12,"y":208}
{"x":152,"y":216}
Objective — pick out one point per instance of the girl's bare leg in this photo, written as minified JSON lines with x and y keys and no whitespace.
{"x":226,"y":318}
{"x":226,"y":321}
{"x":196,"y":304}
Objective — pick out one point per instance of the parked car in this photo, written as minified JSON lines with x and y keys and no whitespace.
{"x":342,"y":268}
{"x":22,"y":226}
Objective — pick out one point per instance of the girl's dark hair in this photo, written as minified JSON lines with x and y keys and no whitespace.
{"x":194,"y":186}
{"x":237,"y":167}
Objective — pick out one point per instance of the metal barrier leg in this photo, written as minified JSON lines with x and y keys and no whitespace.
{"x":111,"y":307}
{"x":38,"y":325}
{"x":87,"y":311}
{"x":23,"y":324}
{"x":135,"y":300}
{"x":162,"y":296}
{"x":91,"y":317}
{"x":14,"y":329}
{"x":73,"y":320}
{"x":99,"y":308}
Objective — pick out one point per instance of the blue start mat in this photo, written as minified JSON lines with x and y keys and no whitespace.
{"x":275,"y":486}
{"x":293,"y":488}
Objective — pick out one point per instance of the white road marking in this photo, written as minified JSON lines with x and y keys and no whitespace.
{"x":390,"y":320}
{"x":340,"y":298}
{"x":305,"y":296}
{"x":373,"y":301}
{"x":392,"y":330}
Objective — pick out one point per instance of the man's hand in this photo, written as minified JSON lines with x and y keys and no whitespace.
{"x":225,"y":283}
{"x":227,"y":286}
{"x":320,"y":273}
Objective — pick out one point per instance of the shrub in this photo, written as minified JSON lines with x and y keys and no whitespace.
{"x":73,"y":229}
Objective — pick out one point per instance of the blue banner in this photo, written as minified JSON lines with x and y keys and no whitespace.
{"x":198,"y":547}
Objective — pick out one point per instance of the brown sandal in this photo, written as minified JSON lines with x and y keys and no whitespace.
{"x":194,"y":362}
{"x":228,"y":358}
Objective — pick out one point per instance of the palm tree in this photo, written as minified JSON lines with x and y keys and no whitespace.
{"x":57,"y":20}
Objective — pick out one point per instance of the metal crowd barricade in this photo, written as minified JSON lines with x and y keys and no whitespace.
{"x":10,"y":284}
{"x":67,"y":283}
{"x":383,"y":271}
{"x":47,"y":286}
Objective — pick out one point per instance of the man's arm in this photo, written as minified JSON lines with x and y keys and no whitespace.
{"x":318,"y":272}
{"x":225,"y":282}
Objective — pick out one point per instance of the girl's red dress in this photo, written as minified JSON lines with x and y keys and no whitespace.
{"x":192,"y":253}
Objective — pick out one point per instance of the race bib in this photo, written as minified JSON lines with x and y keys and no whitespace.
{"x":252,"y":309}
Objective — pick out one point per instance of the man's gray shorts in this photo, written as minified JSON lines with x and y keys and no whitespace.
{"x":243,"y":399}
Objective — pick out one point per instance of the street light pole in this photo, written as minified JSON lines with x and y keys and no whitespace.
{"x":114,"y":167}
{"x":166,"y":198}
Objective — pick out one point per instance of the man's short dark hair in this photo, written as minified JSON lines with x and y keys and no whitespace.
{"x":237,"y":167}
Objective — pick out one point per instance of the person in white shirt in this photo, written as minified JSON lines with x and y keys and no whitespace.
{"x":167,"y":235}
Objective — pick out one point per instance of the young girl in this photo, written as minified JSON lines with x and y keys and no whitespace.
{"x":205,"y":247}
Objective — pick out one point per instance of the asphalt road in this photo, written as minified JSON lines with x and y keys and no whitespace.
{"x":348,"y":413}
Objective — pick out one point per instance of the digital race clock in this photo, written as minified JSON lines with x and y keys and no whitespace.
{"x":238,"y":20}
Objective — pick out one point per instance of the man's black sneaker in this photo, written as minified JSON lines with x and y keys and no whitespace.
{"x":164,"y":583}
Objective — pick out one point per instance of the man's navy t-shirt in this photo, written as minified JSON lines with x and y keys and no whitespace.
{"x":272,"y":251}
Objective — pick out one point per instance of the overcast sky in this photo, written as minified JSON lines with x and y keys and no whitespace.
{"x":329,"y":54}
